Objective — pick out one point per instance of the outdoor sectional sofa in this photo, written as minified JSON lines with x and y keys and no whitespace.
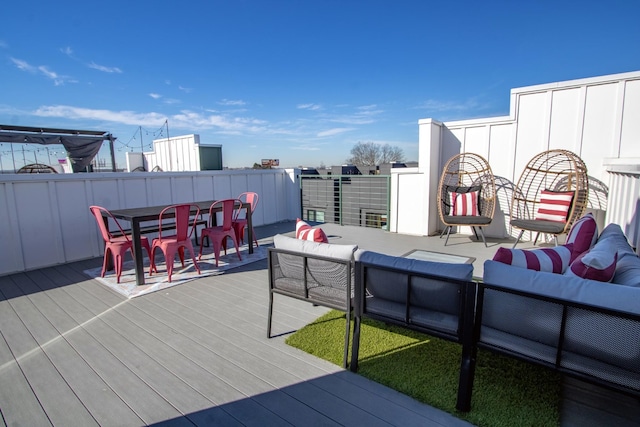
{"x":585,"y":328}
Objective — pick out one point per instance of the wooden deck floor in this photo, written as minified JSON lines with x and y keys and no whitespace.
{"x":73,"y":352}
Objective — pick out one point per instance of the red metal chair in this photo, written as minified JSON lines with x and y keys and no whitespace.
{"x":239,"y":221}
{"x":117,"y":246}
{"x":170,"y":244}
{"x":218,"y":234}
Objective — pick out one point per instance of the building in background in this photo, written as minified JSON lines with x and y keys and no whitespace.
{"x":177,"y":154}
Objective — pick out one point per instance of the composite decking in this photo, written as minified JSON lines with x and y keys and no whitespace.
{"x":74,"y":352}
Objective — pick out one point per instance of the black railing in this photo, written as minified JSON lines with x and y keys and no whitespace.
{"x":360,"y":200}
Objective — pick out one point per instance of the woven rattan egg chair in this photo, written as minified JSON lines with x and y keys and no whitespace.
{"x":551,"y":194}
{"x":466,"y":194}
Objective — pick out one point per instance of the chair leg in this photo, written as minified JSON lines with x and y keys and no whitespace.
{"x":443,"y":230}
{"x":518,"y":239}
{"x":448,"y":231}
{"x":346,"y":339}
{"x":270,"y":316}
{"x":356,"y":344}
{"x":536,"y":239}
{"x":482,"y":234}
{"x":555,"y":237}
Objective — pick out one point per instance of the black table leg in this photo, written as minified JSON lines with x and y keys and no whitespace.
{"x":137,"y":251}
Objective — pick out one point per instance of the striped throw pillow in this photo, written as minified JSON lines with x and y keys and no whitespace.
{"x":554,"y":205}
{"x":465,"y":204}
{"x":599,"y":263}
{"x":305,"y":232}
{"x":583,"y":235}
{"x":550,"y":260}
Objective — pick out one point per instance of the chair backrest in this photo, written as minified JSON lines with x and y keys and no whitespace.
{"x":228,"y":214}
{"x":248,"y":197}
{"x":182,"y":214}
{"x":555,"y":170}
{"x":100,"y":214}
{"x":464,"y":172}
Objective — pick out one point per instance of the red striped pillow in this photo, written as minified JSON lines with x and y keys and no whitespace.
{"x":465,"y":204}
{"x":554,"y":205}
{"x":550,"y":260}
{"x":598,"y":263}
{"x":305,"y":232}
{"x":583,"y":235}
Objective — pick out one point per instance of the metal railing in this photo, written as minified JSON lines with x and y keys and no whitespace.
{"x":359,"y":200}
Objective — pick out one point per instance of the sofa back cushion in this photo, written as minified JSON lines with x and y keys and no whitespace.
{"x":392,"y":285}
{"x":324,"y":272}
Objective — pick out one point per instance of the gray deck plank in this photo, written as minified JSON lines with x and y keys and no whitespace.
{"x":52,"y":391}
{"x":116,"y":374}
{"x":103,"y":404}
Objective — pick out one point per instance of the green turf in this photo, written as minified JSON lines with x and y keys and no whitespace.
{"x":506,"y":392}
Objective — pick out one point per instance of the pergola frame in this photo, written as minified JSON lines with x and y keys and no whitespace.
{"x":81,"y":145}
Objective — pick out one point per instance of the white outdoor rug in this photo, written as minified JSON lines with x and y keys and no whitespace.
{"x":159,"y":280}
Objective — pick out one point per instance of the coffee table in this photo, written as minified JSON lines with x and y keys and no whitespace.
{"x":425,"y":255}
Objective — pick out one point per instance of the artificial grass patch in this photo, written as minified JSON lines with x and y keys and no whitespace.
{"x":506,"y":392}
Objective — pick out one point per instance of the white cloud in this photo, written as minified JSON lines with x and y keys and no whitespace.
{"x":185,"y":89}
{"x":23,"y":65}
{"x":311,"y":107}
{"x":155,"y":95}
{"x":43,"y":70}
{"x":334,"y":131}
{"x":231,"y":102}
{"x":67,"y":51}
{"x":434,"y":105}
{"x":104,"y":68}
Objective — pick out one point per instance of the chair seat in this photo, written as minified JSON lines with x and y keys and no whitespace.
{"x":539,"y":225}
{"x":466,"y":220}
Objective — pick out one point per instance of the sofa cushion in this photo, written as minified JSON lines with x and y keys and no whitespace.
{"x":305,"y":232}
{"x":430,"y":293}
{"x":627,"y":270}
{"x":583,"y":235}
{"x":568,"y":288}
{"x":554,"y":205}
{"x":551,"y":260}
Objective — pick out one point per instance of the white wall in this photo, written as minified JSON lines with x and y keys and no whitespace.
{"x":597,"y":118}
{"x":45,"y":219}
{"x":175,"y":154}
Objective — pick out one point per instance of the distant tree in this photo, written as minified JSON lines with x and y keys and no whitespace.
{"x":372,"y":154}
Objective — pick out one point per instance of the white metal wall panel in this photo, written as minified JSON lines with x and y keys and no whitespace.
{"x":477,"y":140}
{"x":565,"y":120}
{"x":532,"y":136}
{"x":629,"y":140}
{"x":624,"y":203}
{"x":599,"y":139}
{"x":501,"y":150}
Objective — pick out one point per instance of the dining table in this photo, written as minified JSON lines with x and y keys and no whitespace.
{"x":137,"y":216}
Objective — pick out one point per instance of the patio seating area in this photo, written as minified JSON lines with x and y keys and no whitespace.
{"x":77,"y":353}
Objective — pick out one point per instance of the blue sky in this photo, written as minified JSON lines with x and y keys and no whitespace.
{"x":297,"y":80}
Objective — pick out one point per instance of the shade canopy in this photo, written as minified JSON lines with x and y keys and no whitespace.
{"x":81,"y":145}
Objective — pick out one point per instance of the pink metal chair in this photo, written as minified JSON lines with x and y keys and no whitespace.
{"x":170,"y":244}
{"x":239,"y":221}
{"x":117,"y":246}
{"x":218,"y":234}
